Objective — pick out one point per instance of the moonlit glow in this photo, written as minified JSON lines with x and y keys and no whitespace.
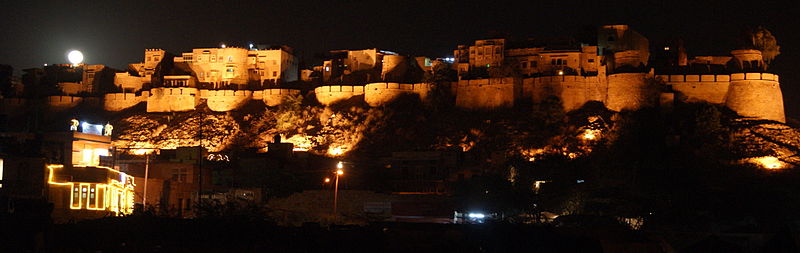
{"x":75,"y":57}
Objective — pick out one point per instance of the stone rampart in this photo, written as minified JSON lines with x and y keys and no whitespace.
{"x":377,"y":94}
{"x":630,"y":91}
{"x":226,"y":100}
{"x":574,"y":91}
{"x":756,"y":95}
{"x":63,"y":102}
{"x":12,"y":105}
{"x":172,"y":99}
{"x":485,"y":93}
{"x":274,"y":97}
{"x":121,"y":101}
{"x":698,"y":88}
{"x":330,"y":94}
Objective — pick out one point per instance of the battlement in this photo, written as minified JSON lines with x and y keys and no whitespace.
{"x":330,"y":94}
{"x":754,"y":76}
{"x":153,"y":49}
{"x":172,"y":99}
{"x":122,"y":101}
{"x":376,"y":94}
{"x":485,"y":93}
{"x":274,"y":97}
{"x":226,"y":100}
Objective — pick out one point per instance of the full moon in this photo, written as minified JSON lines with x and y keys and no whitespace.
{"x":75,"y":57}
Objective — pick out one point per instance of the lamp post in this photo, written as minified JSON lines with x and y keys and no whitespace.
{"x":339,"y":172}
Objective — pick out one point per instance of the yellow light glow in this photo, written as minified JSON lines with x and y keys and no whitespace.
{"x":590,"y":135}
{"x":769,"y":162}
{"x":336,"y":151}
{"x":142,"y":151}
{"x":339,"y":165}
{"x":116,"y":195}
{"x":327,"y":180}
{"x":340,"y":172}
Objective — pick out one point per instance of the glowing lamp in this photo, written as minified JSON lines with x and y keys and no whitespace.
{"x":339,"y":165}
{"x":75,"y":57}
{"x":476,"y":215}
{"x":560,"y":72}
{"x":327,"y":180}
{"x":339,"y":172}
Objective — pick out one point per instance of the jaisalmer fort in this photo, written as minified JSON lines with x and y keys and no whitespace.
{"x":242,"y":101}
{"x":620,"y":71}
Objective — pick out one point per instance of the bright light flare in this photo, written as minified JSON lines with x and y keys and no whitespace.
{"x":339,"y":165}
{"x":75,"y":57}
{"x":769,"y":162}
{"x":339,"y":172}
{"x":476,"y":215}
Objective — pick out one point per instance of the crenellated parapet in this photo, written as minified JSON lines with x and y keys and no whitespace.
{"x":377,"y":94}
{"x":756,"y":95}
{"x":121,"y":101}
{"x":330,"y":94}
{"x":226,"y":100}
{"x":172,"y":99}
{"x":485,"y":93}
{"x":274,"y":97}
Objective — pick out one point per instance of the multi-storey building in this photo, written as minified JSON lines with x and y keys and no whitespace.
{"x":239,"y":67}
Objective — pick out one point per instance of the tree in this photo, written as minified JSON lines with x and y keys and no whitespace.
{"x":763,"y":40}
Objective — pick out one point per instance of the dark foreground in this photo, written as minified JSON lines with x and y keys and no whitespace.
{"x":149,"y":234}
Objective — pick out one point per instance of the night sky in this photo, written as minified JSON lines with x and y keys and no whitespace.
{"x":114,"y":34}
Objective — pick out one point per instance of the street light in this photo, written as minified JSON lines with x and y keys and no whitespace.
{"x":339,"y":172}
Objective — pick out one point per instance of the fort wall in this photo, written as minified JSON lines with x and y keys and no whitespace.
{"x":274,"y":97}
{"x":756,"y":95}
{"x":629,"y":91}
{"x":698,"y":88}
{"x":63,"y":102}
{"x":121,"y":101}
{"x":172,"y":99}
{"x":574,"y":91}
{"x":485,"y":93}
{"x":226,"y":100}
{"x":377,"y":94}
{"x":327,"y":95}
{"x":12,"y":105}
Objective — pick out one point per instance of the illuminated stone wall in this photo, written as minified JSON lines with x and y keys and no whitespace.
{"x":327,"y":95}
{"x":574,"y":91}
{"x":274,"y":97}
{"x":172,"y":99}
{"x":485,"y":93}
{"x":756,"y":95}
{"x":698,"y":88}
{"x":377,"y":94}
{"x":629,"y":91}
{"x":122,"y":101}
{"x":226,"y":100}
{"x":63,"y":102}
